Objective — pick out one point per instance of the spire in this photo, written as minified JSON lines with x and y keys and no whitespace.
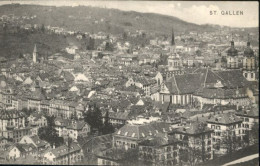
{"x":232,"y":41}
{"x":248,"y":40}
{"x":173,"y":42}
{"x":35,"y":48}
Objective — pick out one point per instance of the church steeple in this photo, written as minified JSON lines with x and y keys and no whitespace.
{"x":248,"y":40}
{"x":35,"y":53}
{"x":173,"y":42}
{"x":232,"y":41}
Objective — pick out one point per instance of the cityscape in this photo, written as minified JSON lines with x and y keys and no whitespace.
{"x":106,"y":85}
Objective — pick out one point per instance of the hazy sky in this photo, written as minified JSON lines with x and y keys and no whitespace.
{"x":192,"y":11}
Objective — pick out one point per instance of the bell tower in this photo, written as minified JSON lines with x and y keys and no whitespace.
{"x":35,"y":54}
{"x":249,"y":65}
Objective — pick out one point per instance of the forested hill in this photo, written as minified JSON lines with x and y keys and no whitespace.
{"x":93,"y":19}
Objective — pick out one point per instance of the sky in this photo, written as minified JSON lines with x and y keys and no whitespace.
{"x":197,"y":12}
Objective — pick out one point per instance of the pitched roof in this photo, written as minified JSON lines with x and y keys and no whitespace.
{"x":158,"y":140}
{"x":193,"y":128}
{"x":64,"y":149}
{"x":254,"y":113}
{"x":38,"y":141}
{"x":77,"y":125}
{"x":142,"y":131}
{"x":225,"y":119}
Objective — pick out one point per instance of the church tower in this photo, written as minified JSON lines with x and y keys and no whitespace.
{"x":232,"y":56}
{"x":249,"y":62}
{"x":173,"y":47}
{"x":35,"y":54}
{"x":174,"y":61}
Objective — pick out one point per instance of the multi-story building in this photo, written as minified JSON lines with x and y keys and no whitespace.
{"x":250,"y":118}
{"x":6,"y":95}
{"x":72,"y":128}
{"x":195,"y":135}
{"x":225,"y":125}
{"x":159,"y":150}
{"x":129,"y":135}
{"x":12,"y":125}
{"x":63,"y":155}
{"x":143,"y":83}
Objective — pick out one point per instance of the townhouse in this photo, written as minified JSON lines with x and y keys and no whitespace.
{"x":63,"y":155}
{"x":195,"y":135}
{"x":225,"y":125}
{"x":160,"y":149}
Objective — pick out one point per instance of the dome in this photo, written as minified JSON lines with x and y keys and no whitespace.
{"x":248,"y":51}
{"x":232,"y":51}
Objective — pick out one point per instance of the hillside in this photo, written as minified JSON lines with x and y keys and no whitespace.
{"x":93,"y":19}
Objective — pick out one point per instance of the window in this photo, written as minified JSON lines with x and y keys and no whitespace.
{"x":252,"y":75}
{"x":213,"y":126}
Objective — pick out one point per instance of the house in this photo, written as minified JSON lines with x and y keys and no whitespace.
{"x":72,"y":128}
{"x":91,"y":146}
{"x":64,"y":155}
{"x":72,"y":49}
{"x":116,"y":118}
{"x":195,"y":135}
{"x":159,"y":149}
{"x":129,"y":135}
{"x":21,"y":150}
{"x":225,"y":125}
{"x":39,"y":144}
{"x":141,"y":82}
{"x":111,"y":157}
{"x":37,"y":119}
{"x":250,"y":118}
{"x":78,"y":128}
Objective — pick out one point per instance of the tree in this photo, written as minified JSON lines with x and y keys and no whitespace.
{"x":254,"y":133}
{"x":94,"y":117}
{"x":130,"y":157}
{"x":91,"y":45}
{"x":125,"y":36}
{"x":49,"y":133}
{"x":107,"y":127}
{"x":43,"y":28}
{"x":108,"y":47}
{"x":190,"y":155}
{"x":198,"y":53}
{"x":230,"y":141}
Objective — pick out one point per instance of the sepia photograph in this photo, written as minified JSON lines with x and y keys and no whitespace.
{"x":129,"y":83}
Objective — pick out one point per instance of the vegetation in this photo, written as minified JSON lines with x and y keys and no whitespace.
{"x":107,"y":127}
{"x":94,"y":118}
{"x":49,"y":133}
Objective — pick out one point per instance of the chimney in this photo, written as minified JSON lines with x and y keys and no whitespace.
{"x":53,"y":146}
